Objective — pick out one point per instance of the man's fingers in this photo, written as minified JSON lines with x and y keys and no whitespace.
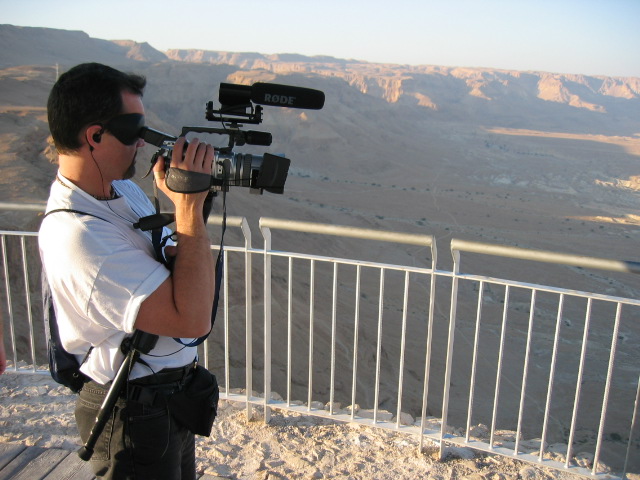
{"x":198,"y":157}
{"x":179,"y":154}
{"x":158,"y":169}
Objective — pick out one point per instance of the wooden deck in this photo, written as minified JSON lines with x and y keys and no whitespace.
{"x":18,"y":462}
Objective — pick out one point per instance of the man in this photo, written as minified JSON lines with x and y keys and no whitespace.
{"x":104,"y":276}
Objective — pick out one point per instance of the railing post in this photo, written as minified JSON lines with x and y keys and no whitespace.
{"x":12,"y":333}
{"x":607,"y":388}
{"x":376,"y":394}
{"x":403,"y":343}
{"x":525,"y":369}
{"x":266,"y":233}
{"x":429,"y":339}
{"x":496,"y":396}
{"x":448,"y":368}
{"x":474,"y":361}
{"x":242,"y":223}
{"x":312,"y":287}
{"x":334,"y":306}
{"x":356,"y":326}
{"x":552,"y":373}
{"x":631,"y":430}
{"x":289,"y":328}
{"x":25,"y":272}
{"x":248,"y":263}
{"x":576,"y":403}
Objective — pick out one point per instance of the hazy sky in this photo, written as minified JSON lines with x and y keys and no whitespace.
{"x":595,"y":37}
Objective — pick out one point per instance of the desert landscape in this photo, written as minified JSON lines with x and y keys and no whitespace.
{"x":531,"y":159}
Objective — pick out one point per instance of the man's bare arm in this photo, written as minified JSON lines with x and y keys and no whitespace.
{"x":181,"y":306}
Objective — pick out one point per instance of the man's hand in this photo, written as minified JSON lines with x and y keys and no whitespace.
{"x":197,"y":158}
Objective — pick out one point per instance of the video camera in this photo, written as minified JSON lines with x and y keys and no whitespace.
{"x":258,"y":172}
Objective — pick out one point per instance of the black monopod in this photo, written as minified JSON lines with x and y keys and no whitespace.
{"x":139,"y":342}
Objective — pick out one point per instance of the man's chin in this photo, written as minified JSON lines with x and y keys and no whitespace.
{"x":131,"y":171}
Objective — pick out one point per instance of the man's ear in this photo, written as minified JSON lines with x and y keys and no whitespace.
{"x":93,"y":135}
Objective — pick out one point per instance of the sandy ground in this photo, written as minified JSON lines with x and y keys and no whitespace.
{"x":34,"y":410}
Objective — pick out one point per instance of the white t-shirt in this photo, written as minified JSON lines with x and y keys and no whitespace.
{"x":100,"y":271}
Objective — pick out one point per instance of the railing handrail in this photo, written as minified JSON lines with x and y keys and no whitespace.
{"x":546,"y":256}
{"x":32,"y":207}
{"x":346,"y":231}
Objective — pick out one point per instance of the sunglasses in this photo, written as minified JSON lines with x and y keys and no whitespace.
{"x":126,"y":127}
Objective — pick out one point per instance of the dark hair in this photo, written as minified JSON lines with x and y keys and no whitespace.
{"x":89,"y":93}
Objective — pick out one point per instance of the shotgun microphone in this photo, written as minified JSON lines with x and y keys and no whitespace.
{"x":286,"y":96}
{"x":271,"y":94}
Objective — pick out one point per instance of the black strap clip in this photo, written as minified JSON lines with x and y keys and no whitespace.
{"x":157,"y":220}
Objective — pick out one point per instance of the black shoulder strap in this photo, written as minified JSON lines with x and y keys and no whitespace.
{"x":71,"y":210}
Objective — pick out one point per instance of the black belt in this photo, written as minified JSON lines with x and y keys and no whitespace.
{"x":166,"y":375}
{"x":150,"y":389}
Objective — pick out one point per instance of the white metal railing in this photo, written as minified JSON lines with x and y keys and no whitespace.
{"x":498,"y":365}
{"x":459,"y":246}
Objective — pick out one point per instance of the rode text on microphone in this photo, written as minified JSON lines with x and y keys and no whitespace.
{"x":257,"y":172}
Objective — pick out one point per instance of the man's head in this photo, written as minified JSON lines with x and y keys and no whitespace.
{"x":88,"y":94}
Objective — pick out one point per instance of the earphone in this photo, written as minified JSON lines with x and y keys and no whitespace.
{"x":96,"y":138}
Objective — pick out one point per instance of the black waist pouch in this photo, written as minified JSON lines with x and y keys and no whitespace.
{"x":196,"y":405}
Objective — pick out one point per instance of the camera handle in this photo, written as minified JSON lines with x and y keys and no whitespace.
{"x":140,"y":342}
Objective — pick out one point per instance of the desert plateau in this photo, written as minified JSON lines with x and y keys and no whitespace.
{"x":539,"y":160}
